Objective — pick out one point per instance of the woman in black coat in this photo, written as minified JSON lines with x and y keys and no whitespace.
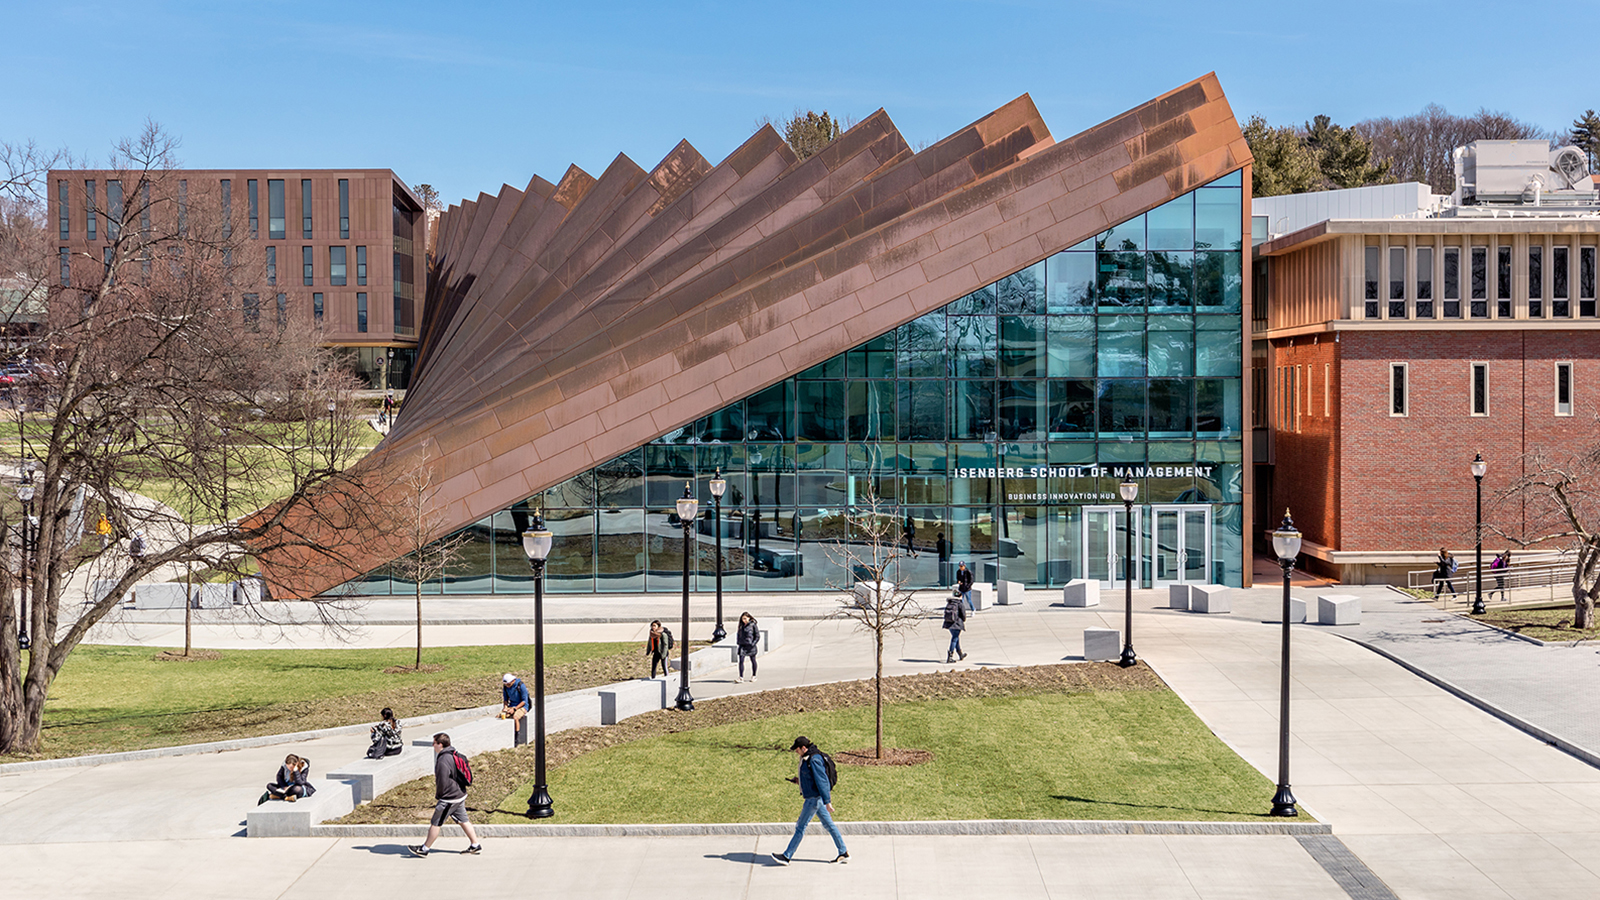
{"x":748,"y":637}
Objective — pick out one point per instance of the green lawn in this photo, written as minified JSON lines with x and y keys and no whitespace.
{"x":1549,"y":623}
{"x":1139,"y":755}
{"x":120,"y":698}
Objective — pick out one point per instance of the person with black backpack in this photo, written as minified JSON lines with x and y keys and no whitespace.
{"x":451,"y":776}
{"x":816,"y":778}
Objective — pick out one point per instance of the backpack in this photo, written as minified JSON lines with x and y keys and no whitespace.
{"x":463,"y":768}
{"x":1454,"y":565}
{"x":1499,"y":563}
{"x":666,"y":638}
{"x":832,"y":770}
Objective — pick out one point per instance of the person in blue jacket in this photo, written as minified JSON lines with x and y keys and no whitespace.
{"x":514,"y":695}
{"x":818,"y":794}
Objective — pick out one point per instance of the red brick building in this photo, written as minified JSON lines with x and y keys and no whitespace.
{"x":1389,"y":351}
{"x":343,"y":247}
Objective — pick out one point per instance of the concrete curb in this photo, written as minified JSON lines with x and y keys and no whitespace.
{"x":954,"y":827}
{"x":1565,"y":746}
{"x":266,"y":740}
{"x":1507,"y":633}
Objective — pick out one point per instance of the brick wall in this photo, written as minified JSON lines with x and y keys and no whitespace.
{"x":1404,"y":483}
{"x":1306,"y":479}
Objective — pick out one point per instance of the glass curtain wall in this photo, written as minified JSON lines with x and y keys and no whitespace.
{"x":992,"y":429}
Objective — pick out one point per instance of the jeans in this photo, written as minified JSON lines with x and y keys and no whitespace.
{"x":813,"y":807}
{"x":967,"y":596}
{"x":955,"y":640}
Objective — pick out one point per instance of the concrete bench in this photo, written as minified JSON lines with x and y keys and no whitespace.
{"x":1011,"y":593}
{"x":1178,"y":596}
{"x":771,"y":629}
{"x":370,"y":777}
{"x":1102,"y":643}
{"x":707,"y":659}
{"x":865,"y":592}
{"x":1297,"y":611}
{"x":1080,"y":593}
{"x":1338,"y":609}
{"x":1208,"y":598}
{"x":630,"y":698}
{"x":280,"y":818}
{"x":983,"y":595}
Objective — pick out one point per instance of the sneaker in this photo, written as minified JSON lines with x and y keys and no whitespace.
{"x":782,"y":860}
{"x":473,"y":849}
{"x":843,"y":857}
{"x":417,"y":850}
{"x":291,"y":798}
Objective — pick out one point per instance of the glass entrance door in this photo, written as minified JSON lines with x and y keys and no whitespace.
{"x":1105,"y":535}
{"x":1182,"y":544}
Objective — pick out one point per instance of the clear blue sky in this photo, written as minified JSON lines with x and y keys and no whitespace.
{"x":470,"y":94}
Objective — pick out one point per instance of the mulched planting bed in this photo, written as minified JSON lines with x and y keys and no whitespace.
{"x":1553,"y":623}
{"x":497,"y":774}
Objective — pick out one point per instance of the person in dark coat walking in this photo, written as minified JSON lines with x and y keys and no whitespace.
{"x":1500,"y":566}
{"x":955,"y":621}
{"x":1444,"y":570}
{"x":748,"y":637}
{"x":817,"y":792}
{"x":658,"y":646}
{"x":964,"y":585}
{"x":908,"y":533}
{"x":450,"y":799}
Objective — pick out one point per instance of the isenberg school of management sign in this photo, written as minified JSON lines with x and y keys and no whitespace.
{"x":1122,"y":472}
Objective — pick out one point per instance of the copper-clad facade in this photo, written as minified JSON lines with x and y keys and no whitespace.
{"x":571,"y":322}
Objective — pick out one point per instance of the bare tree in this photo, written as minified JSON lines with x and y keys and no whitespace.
{"x":1417,"y":147}
{"x":1558,"y":501}
{"x":151,"y":342}
{"x":426,"y":559}
{"x":871,"y":555}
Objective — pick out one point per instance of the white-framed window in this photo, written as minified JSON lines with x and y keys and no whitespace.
{"x":1310,"y":397}
{"x":1294,"y":396}
{"x":1327,"y":378}
{"x":1424,"y":282}
{"x":1479,"y":388}
{"x":1479,"y":308}
{"x":1397,"y":282}
{"x":1563,"y":388}
{"x":1372,"y":258}
{"x":1451,"y":299}
{"x":1399,"y":374}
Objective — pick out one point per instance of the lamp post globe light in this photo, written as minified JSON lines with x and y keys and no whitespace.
{"x":688,"y":506}
{"x":718,"y":487}
{"x":536,"y":542}
{"x":1129,"y":490}
{"x":1479,"y":468}
{"x":1285,"y":543}
{"x":25,"y":494}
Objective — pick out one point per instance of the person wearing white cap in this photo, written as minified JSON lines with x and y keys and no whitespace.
{"x":514,"y":695}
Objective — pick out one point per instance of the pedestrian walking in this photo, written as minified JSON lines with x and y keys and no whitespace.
{"x":964,"y":585}
{"x":748,"y":637}
{"x":1501,"y":567}
{"x":941,"y":547}
{"x":388,"y":409}
{"x":451,"y":778}
{"x":816,"y":778}
{"x":908,"y":532}
{"x":955,"y":621}
{"x":1444,"y":568}
{"x":658,"y":646}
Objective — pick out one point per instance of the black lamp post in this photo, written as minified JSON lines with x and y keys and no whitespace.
{"x":536,"y":542}
{"x":333,"y":431}
{"x":718,"y":487}
{"x":1286,"y":543}
{"x":1129,"y":491}
{"x":25,"y":494}
{"x":687,"y":507}
{"x":1479,"y":467}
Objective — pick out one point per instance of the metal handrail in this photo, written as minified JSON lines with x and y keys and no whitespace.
{"x":1523,"y":577}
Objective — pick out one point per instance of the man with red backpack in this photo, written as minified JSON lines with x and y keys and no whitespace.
{"x":451,"y":776}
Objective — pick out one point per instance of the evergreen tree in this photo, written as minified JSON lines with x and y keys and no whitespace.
{"x":1586,"y":136}
{"x":807,"y":134}
{"x":1343,"y":155}
{"x":1283,"y":162}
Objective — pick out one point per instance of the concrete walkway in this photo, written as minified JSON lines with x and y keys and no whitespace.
{"x":1438,"y":797}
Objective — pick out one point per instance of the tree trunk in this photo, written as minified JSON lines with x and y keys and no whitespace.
{"x":1582,"y":608}
{"x":419,"y":624}
{"x":877,"y":684}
